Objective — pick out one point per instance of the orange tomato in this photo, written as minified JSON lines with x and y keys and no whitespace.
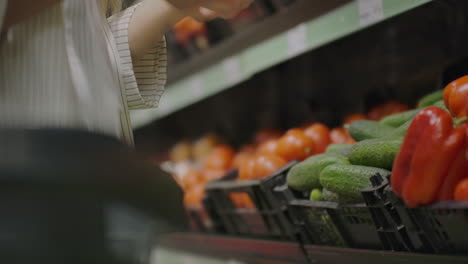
{"x":194,"y":196}
{"x":187,"y":28}
{"x":351,"y":118}
{"x":295,"y":145}
{"x":269,"y":147}
{"x":191,"y":179}
{"x":240,"y":158}
{"x":181,"y":151}
{"x":241,"y":200}
{"x":267,"y":134}
{"x":203,"y":146}
{"x":320,"y":134}
{"x":456,"y":97}
{"x":249,"y":148}
{"x":461,"y":191}
{"x":220,"y":158}
{"x":340,"y":135}
{"x":265,"y":165}
{"x":247,"y":169}
{"x":213,"y":174}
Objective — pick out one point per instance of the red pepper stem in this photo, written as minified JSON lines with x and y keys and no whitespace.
{"x":460,"y":121}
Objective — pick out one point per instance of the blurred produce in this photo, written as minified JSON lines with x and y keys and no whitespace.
{"x":190,"y":37}
{"x":203,"y":146}
{"x":295,"y":145}
{"x":456,"y":97}
{"x":320,"y":135}
{"x":389,"y":108}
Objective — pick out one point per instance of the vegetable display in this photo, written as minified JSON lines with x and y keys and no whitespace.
{"x":424,"y":149}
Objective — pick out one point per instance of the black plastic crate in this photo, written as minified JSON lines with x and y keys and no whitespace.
{"x":317,"y":222}
{"x":199,"y":220}
{"x":395,"y":223}
{"x":333,"y":224}
{"x":357,"y":226}
{"x":269,"y":216}
{"x":438,"y":228}
{"x":445,"y":225}
{"x":330,"y":223}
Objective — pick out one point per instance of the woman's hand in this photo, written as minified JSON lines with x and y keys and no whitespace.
{"x":208,"y":9}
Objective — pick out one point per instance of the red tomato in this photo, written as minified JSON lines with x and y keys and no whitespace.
{"x":192,"y":178}
{"x":461,"y":191}
{"x":320,"y":134}
{"x":267,"y":134}
{"x":265,"y":165}
{"x":220,"y":158}
{"x":269,"y":147}
{"x":351,"y":118}
{"x":247,"y":169}
{"x":240,"y":158}
{"x":249,"y":148}
{"x":340,"y":135}
{"x":295,"y":145}
{"x":456,"y":97}
{"x":193,"y":197}
{"x":389,"y":108}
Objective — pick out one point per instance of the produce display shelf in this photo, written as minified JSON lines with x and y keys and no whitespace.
{"x":340,"y":18}
{"x":265,"y":251}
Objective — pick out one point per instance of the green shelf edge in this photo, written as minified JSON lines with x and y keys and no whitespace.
{"x":334,"y":25}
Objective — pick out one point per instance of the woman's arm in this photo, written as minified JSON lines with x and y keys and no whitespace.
{"x":151,"y":20}
{"x":20,"y":10}
{"x":155,"y":17}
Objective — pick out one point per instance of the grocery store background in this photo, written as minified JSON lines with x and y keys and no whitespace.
{"x":283,"y":64}
{"x":284,"y":67}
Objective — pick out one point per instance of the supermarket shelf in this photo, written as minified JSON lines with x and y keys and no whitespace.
{"x":248,"y":250}
{"x":296,"y":40}
{"x":263,"y":251}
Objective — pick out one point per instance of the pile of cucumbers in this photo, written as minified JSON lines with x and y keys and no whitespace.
{"x":339,"y":174}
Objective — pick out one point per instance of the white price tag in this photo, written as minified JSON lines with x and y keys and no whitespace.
{"x":196,"y":86}
{"x":232,"y":70}
{"x":297,"y":40}
{"x":370,"y":11}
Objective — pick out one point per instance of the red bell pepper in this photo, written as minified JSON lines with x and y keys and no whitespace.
{"x":428,"y":157}
{"x":402,"y":163}
{"x":458,"y":168}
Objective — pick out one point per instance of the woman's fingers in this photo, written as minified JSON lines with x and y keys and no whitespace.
{"x":202,"y":14}
{"x":226,"y":8}
{"x":222,"y":8}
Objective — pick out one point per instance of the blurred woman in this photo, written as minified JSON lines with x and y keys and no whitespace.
{"x":63,"y":64}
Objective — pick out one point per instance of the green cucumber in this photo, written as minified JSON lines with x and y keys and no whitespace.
{"x":316,"y":195}
{"x":348,"y":180}
{"x":341,"y":149}
{"x":400,"y":131}
{"x":431,"y":98}
{"x":330,"y":196}
{"x":441,"y":104}
{"x":305,"y":176}
{"x":399,"y":119}
{"x":378,"y":153}
{"x":367,"y":129}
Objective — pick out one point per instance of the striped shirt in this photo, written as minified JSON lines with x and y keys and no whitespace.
{"x":68,"y":67}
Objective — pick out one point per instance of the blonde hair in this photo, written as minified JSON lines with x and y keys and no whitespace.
{"x":110,"y":7}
